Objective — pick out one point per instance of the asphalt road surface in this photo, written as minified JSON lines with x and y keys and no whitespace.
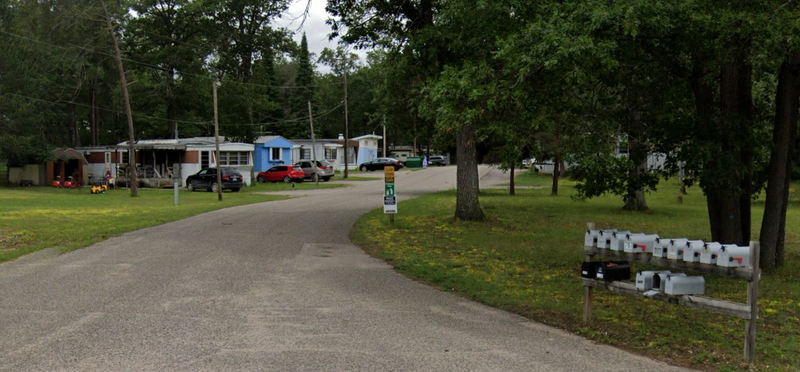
{"x":269,"y":286}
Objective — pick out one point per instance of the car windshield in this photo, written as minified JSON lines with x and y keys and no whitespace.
{"x":297,"y":167}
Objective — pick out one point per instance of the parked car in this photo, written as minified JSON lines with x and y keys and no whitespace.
{"x":437,"y":160}
{"x":207,"y":179}
{"x":527,"y":163}
{"x":324,"y":170}
{"x":285,"y":173}
{"x":380,"y":163}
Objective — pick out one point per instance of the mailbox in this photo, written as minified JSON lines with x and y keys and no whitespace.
{"x":732,"y":255}
{"x":676,"y":248}
{"x":644,"y":279}
{"x":692,"y":251}
{"x":589,"y":269}
{"x":617,"y":240}
{"x":684,"y":285}
{"x":640,"y":243}
{"x":614,"y":270}
{"x":660,"y":248}
{"x":660,"y":280}
{"x":710,"y":253}
{"x":590,"y":238}
{"x":604,"y":240}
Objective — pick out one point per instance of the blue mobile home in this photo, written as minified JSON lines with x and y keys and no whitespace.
{"x":271,"y":151}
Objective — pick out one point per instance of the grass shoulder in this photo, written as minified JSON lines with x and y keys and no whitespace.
{"x":525,"y":259}
{"x":36,"y":218}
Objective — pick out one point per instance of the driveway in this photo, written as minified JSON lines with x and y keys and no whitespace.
{"x":269,"y":286}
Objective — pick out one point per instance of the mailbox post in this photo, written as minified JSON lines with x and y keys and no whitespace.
{"x":176,"y":179}
{"x":389,"y":194}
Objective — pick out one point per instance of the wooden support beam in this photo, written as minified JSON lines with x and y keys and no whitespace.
{"x":736,"y":309}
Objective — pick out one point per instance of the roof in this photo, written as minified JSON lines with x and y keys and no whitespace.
{"x":273,"y":141}
{"x":68,"y":154}
{"x":366,"y":136}
{"x":183,"y":143}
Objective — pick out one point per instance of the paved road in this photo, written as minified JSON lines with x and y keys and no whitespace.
{"x":270,"y":286}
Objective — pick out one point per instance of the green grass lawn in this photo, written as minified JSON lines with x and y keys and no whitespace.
{"x":526,"y":259}
{"x":35,"y":218}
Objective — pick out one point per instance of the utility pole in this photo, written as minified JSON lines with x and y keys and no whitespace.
{"x":313,"y":144}
{"x":216,"y":141}
{"x":384,"y":135}
{"x":346,"y":121}
{"x":133,"y":179}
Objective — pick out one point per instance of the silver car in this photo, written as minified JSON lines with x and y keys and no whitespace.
{"x":324,"y":170}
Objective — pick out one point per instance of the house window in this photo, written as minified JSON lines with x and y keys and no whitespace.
{"x":107,"y":157}
{"x":228,"y":158}
{"x":330,"y":154}
{"x":305,"y":153}
{"x":276,"y":153}
{"x":204,"y":159}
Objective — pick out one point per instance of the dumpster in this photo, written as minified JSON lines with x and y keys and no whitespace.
{"x":414,"y":162}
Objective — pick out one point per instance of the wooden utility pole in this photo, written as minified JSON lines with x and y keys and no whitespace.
{"x":346,"y":121}
{"x":216,"y":141}
{"x":313,"y":145}
{"x":133,"y":179}
{"x":384,"y":135}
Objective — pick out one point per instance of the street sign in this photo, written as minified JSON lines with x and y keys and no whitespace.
{"x":388,"y":174}
{"x":389,"y":194}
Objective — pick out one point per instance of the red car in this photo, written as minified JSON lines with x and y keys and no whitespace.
{"x":285,"y":173}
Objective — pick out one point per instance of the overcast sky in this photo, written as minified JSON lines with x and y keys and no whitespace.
{"x":315,"y":28}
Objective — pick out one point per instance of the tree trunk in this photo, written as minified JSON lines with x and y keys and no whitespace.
{"x":467,"y":204}
{"x":94,"y":125}
{"x":728,"y":172}
{"x":556,"y":173}
{"x":74,"y":128}
{"x":556,"y":161}
{"x":172,"y":104}
{"x":787,"y":103}
{"x":511,"y":190}
{"x":637,"y":153}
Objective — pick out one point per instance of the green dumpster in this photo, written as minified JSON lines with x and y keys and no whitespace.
{"x":414,"y":162}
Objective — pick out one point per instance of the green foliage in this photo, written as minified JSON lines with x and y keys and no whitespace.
{"x":605,"y":173}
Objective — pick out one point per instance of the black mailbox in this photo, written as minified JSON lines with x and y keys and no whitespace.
{"x":589,"y":269}
{"x":614,"y":270}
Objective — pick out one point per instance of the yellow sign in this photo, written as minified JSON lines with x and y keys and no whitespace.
{"x":388,"y":174}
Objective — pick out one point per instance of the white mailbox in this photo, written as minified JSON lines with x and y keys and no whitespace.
{"x":660,"y":249}
{"x":732,"y":255}
{"x":693,"y":250}
{"x":710,"y":253}
{"x":684,"y":285}
{"x":676,"y":248}
{"x":644,"y":279}
{"x":617,"y":240}
{"x":590,"y":238}
{"x":640,"y":243}
{"x":660,"y":280}
{"x":604,"y":240}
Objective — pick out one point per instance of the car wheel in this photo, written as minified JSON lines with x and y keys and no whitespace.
{"x":287,"y":179}
{"x":235,"y":189}
{"x":261,"y":179}
{"x":363,"y":168}
{"x":191,"y":187}
{"x":214,"y":187}
{"x":314,"y":177}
